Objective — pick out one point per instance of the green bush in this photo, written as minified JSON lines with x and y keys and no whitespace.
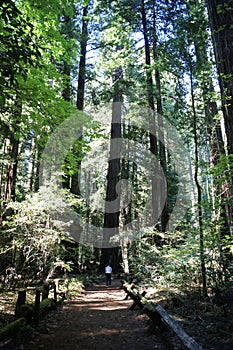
{"x":46,"y":305}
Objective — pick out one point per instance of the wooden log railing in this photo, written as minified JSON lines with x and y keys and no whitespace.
{"x":41,"y":294}
{"x":32,"y":313}
{"x":159,"y":317}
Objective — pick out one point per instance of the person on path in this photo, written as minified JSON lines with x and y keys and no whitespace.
{"x":108,"y":274}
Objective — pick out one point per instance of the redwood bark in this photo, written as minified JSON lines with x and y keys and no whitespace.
{"x":151,"y":113}
{"x":75,"y":186}
{"x":111,"y":220}
{"x":162,"y":149}
{"x":82,"y":62}
{"x":221,"y":19}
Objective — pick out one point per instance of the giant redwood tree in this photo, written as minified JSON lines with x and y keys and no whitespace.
{"x":221,"y":19}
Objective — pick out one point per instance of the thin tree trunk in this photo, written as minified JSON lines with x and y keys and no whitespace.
{"x":3,"y":171}
{"x":199,"y":190}
{"x":125,"y":260}
{"x":39,"y":152}
{"x":127,"y":211}
{"x":31,"y":166}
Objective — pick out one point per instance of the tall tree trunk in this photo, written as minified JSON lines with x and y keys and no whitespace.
{"x":216,"y":149}
{"x":82,"y":62}
{"x":31,"y":165}
{"x":13,"y":168}
{"x":67,"y":31}
{"x":199,"y":190}
{"x":75,"y":188}
{"x":39,"y":152}
{"x":213,"y":125}
{"x":221,"y":18}
{"x":162,"y":149}
{"x":151,"y":113}
{"x":3,"y":172}
{"x":127,"y":211}
{"x":11,"y":177}
{"x":149,"y":83}
{"x":111,"y":219}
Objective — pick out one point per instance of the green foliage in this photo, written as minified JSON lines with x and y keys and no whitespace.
{"x":46,"y":306}
{"x":75,"y":287}
{"x":88,"y":280}
{"x":19,"y":48}
{"x":222,"y":169}
{"x":34,"y":241}
{"x":177,"y":262}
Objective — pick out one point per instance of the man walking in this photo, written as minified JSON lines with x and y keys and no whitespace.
{"x":108,"y":273}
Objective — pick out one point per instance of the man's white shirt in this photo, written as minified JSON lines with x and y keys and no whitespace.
{"x":108,"y":269}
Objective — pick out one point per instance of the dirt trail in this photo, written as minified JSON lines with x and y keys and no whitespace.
{"x":99,"y":319}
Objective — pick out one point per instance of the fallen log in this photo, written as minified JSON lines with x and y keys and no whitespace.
{"x":147,"y":308}
{"x":159,"y":317}
{"x":189,"y":342}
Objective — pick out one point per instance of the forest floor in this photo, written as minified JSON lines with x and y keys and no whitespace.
{"x":99,"y":319}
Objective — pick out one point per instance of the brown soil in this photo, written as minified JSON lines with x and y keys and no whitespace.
{"x":98,"y":319}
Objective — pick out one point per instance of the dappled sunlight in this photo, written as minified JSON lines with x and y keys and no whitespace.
{"x":104,"y":300}
{"x":108,"y":307}
{"x":105,"y":306}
